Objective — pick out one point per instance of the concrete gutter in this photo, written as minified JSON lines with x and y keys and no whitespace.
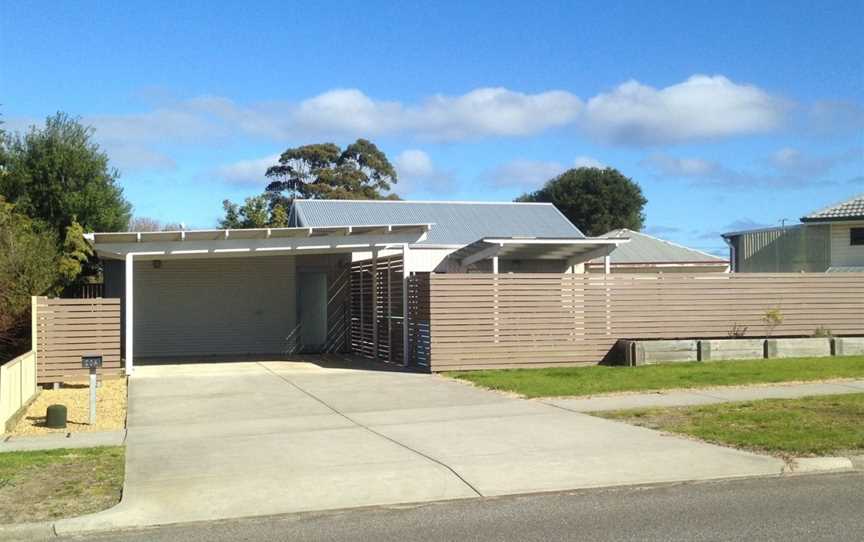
{"x":58,"y":441}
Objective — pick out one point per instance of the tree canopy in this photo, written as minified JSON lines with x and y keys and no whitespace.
{"x":58,"y":175}
{"x":594,"y":200}
{"x":317,"y":171}
{"x":30,"y":264}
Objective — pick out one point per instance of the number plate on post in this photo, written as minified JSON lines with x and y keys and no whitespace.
{"x":91,"y":361}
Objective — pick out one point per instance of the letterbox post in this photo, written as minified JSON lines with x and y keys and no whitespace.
{"x":92,"y":362}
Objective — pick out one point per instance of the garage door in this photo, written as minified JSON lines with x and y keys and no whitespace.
{"x":207,"y":307}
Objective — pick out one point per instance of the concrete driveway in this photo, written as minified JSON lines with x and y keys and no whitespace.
{"x":242,"y":439}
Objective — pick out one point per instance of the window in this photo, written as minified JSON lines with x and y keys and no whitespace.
{"x":856,"y":236}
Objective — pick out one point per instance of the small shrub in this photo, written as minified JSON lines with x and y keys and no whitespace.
{"x":737,"y":331}
{"x":822,"y":331}
{"x":772,"y":319}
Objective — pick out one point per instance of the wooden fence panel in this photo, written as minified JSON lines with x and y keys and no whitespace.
{"x":66,"y":329}
{"x":519,"y":320}
{"x":376,"y":309}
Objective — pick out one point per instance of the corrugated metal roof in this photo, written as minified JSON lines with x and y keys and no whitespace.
{"x":850,"y":209}
{"x":644,"y":248}
{"x":453,"y":223}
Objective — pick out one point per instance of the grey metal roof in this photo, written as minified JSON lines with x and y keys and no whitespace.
{"x":453,"y":223}
{"x":644,"y":248}
{"x":851,"y":209}
{"x":846,"y":269}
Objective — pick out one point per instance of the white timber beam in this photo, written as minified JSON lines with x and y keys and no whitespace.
{"x":129,"y":313}
{"x":489,"y":252}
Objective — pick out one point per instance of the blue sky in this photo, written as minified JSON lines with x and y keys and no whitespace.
{"x":728,"y":114}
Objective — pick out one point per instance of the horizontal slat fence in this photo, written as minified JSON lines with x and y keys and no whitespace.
{"x":66,"y":329}
{"x":539,"y":320}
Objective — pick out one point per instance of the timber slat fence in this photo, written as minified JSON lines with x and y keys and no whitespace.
{"x":66,"y":329}
{"x":476,"y":321}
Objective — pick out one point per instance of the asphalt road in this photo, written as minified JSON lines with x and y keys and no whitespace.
{"x":811,"y":508}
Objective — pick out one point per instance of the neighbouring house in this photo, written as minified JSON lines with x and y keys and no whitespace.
{"x":829,"y":240}
{"x":316,"y":285}
{"x":647,"y":254}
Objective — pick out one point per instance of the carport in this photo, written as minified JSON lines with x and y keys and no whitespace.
{"x":261,"y":292}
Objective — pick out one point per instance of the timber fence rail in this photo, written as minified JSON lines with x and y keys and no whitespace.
{"x":478,"y":321}
{"x":66,"y":329}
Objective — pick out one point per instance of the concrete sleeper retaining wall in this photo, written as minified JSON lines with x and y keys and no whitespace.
{"x":647,"y":352}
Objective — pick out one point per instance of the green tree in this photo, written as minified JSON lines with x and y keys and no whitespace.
{"x":58,"y":175}
{"x":594,"y":200}
{"x":75,"y":255}
{"x":319,"y":171}
{"x":29,"y":265}
{"x":254,"y":213}
{"x":324,"y":171}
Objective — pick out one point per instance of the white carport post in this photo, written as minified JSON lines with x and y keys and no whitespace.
{"x":405,"y":275}
{"x":607,"y":264}
{"x":130,"y":323}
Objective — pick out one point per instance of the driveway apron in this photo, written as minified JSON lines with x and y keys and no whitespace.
{"x":214,"y":441}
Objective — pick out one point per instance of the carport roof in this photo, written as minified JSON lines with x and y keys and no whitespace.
{"x":255,"y":240}
{"x":537,"y":248}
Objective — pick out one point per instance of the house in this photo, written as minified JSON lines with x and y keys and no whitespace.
{"x":829,"y":240}
{"x":303,"y":288}
{"x":648,"y":254}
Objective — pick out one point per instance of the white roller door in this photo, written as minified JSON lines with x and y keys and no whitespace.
{"x":207,"y":307}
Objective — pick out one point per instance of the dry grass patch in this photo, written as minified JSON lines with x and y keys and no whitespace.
{"x":52,"y":484}
{"x":110,"y":409}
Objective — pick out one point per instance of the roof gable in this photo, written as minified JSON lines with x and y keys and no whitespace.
{"x":644,"y":248}
{"x":453,"y":223}
{"x":851,"y":209}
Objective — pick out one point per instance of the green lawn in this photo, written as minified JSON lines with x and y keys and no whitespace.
{"x":51,"y":484}
{"x":600,"y":379}
{"x":825,"y":425}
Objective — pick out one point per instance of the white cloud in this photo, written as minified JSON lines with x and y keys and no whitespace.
{"x":784,"y":168}
{"x":702,"y":107}
{"x":414,"y":163}
{"x":418,"y":173}
{"x":795,"y":162}
{"x":246,"y":171}
{"x":682,"y":167}
{"x":524,"y":173}
{"x":531,"y":174}
{"x":587,"y":161}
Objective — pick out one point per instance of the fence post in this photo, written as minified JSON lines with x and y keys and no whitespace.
{"x":34,"y":334}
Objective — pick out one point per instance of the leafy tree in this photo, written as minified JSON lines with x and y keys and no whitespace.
{"x":58,"y":175}
{"x":324,"y":171}
{"x":29,"y":265}
{"x":254,"y":213}
{"x":595,"y":200}
{"x":318,"y":171}
{"x":76,"y":254}
{"x":145,"y":223}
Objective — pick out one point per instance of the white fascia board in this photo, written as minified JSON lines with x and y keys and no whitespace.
{"x":552,"y":241}
{"x":259,"y":245}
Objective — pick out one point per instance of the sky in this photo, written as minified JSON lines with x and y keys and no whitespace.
{"x":729,"y":115}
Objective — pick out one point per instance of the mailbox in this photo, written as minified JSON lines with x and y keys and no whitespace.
{"x":91,"y":361}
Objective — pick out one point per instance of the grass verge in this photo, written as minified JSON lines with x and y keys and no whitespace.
{"x":52,"y":484}
{"x":825,"y":425}
{"x":576,"y":381}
